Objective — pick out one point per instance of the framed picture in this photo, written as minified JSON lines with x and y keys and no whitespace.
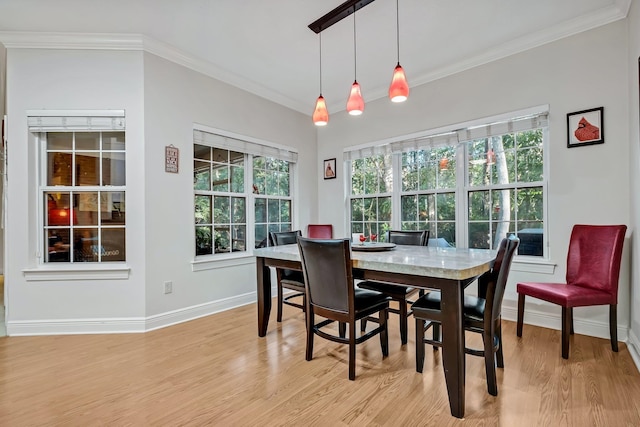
{"x":585,"y":127}
{"x":329,"y":168}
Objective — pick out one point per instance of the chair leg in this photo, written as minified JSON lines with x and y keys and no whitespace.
{"x":310,"y":322}
{"x":342,"y":329}
{"x":571,"y":315}
{"x":613,"y":326}
{"x":384,"y":334}
{"x":490,"y":361}
{"x":566,"y":327}
{"x":499,"y":354}
{"x":363,"y":324}
{"x":419,"y":345}
{"x":352,"y":350}
{"x":520,"y":314}
{"x":436,"y":334}
{"x":280,"y":298}
{"x":403,"y":321}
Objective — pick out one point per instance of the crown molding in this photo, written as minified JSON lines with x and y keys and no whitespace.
{"x":108,"y":41}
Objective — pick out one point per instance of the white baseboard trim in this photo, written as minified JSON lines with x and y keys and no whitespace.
{"x":126,"y":325}
{"x":554,"y":321}
{"x":633,"y":344}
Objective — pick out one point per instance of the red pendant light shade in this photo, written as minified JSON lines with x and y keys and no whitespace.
{"x":355,"y":104}
{"x":399,"y":89}
{"x":320,"y":114}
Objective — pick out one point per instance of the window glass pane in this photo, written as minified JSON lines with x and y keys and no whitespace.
{"x":445,"y":234}
{"x":285,"y":211}
{"x":426,"y":208}
{"x":237,"y":179}
{"x":113,"y":172}
{"x":530,"y":165}
{"x":221,"y":210}
{"x":409,"y":206}
{"x":59,"y":244}
{"x":87,"y":168}
{"x":203,"y":241}
{"x":239,"y":210}
{"x":60,"y":141}
{"x":409,"y":171}
{"x":116,"y":211}
{"x":87,"y":141}
{"x":220,"y":155}
{"x":220,"y":178}
{"x":222,"y":239}
{"x":203,"y":209}
{"x":357,"y":177}
{"x":479,"y":205}
{"x":113,"y":245}
{"x":201,"y":152}
{"x":201,"y":180}
{"x":446,"y":206}
{"x":384,"y":209}
{"x":501,"y":208}
{"x":283,"y":184}
{"x":59,"y":168}
{"x":273,"y":209}
{"x":113,"y":141}
{"x":357,"y":210}
{"x":261,"y":211}
{"x":530,"y":204}
{"x":236,"y":158}
{"x":370,"y":209}
{"x":85,"y":205}
{"x":58,"y":211}
{"x":479,"y":235}
{"x":239,"y":238}
{"x":85,"y":245}
{"x":261,"y":235}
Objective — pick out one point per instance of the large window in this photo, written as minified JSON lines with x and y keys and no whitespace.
{"x":468,"y":191}
{"x":83,"y":194}
{"x":242,"y":191}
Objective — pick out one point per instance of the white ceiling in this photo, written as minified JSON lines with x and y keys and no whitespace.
{"x":265,"y":46}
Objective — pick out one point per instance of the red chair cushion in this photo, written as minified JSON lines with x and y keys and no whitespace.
{"x":566,"y":295}
{"x":320,"y":231}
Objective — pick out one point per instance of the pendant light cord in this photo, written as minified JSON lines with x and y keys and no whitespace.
{"x":398,"y":30}
{"x":320,"y":36}
{"x":355,"y":55}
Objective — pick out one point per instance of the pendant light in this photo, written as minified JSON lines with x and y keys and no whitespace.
{"x":320,"y":113}
{"x":355,"y":103}
{"x":399,"y":88}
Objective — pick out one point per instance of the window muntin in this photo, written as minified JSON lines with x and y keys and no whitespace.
{"x":225,"y":208}
{"x":84,"y":195}
{"x":503,"y":183}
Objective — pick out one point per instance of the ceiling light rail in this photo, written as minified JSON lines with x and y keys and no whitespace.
{"x":338,"y":14}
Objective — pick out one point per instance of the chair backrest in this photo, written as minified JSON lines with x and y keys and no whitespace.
{"x":326,"y":264}
{"x":320,"y":231}
{"x":595,"y":253}
{"x":415,"y":238}
{"x":277,"y":238}
{"x":500,"y":274}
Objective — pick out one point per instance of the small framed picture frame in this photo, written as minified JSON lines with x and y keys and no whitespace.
{"x":329,"y":168}
{"x":585,"y":127}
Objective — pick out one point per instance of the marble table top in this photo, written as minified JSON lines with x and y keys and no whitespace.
{"x":446,"y":263}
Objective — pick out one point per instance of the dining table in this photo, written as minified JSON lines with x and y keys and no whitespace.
{"x":449,"y":270}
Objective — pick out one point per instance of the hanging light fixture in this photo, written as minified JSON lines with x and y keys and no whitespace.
{"x":399,"y":88}
{"x":320,"y":113}
{"x":355,"y":103}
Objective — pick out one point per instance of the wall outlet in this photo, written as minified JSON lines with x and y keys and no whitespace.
{"x":168,"y":287}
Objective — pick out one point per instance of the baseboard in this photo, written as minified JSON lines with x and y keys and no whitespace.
{"x":554,"y":321}
{"x":633,"y":344}
{"x":126,"y":325}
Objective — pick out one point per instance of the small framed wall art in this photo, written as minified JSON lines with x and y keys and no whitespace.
{"x":585,"y":127}
{"x":329,"y":168}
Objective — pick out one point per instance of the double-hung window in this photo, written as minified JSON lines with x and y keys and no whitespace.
{"x":242,"y":191}
{"x":82,"y":187}
{"x":470,"y":187}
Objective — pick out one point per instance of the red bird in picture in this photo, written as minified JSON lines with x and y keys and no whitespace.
{"x":586,"y":131}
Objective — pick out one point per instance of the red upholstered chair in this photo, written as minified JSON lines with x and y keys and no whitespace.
{"x":320,"y":231}
{"x":593,"y":269}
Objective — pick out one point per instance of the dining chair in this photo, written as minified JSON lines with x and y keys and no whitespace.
{"x":320,"y":231}
{"x":287,"y":279}
{"x":593,"y":270}
{"x":331,"y":294}
{"x":480,"y":314}
{"x":398,"y":293}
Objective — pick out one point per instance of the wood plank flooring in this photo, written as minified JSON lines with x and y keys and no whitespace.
{"x":217,"y":371}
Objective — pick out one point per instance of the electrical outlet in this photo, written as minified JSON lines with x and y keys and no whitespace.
{"x":168,"y":287}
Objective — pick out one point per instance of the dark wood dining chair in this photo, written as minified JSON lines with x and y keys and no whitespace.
{"x":320,"y":231}
{"x":593,"y":270}
{"x":331,"y":294}
{"x":287,"y":279}
{"x":481,"y":315}
{"x":401,"y":294}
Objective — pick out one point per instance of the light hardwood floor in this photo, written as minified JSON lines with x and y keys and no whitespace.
{"x":217,"y":371}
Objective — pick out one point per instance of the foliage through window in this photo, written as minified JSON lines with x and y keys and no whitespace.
{"x":83,"y":192}
{"x":498,"y":190}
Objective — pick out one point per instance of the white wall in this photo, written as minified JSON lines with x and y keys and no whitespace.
{"x":586,"y":184}
{"x":634,"y":160}
{"x":175,"y":98}
{"x":3,"y":74}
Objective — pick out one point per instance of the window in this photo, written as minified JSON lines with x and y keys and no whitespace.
{"x":83,"y":194}
{"x":242,"y":191}
{"x":498,"y":190}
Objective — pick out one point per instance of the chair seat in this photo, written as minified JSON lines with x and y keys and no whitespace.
{"x":566,"y":295}
{"x":396,"y":291}
{"x":473,"y":306}
{"x":366,"y":299}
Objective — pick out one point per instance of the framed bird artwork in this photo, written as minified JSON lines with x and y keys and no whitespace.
{"x":585,"y":127}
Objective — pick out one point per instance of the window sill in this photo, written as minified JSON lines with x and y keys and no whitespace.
{"x":532,"y":265}
{"x":211,"y":262}
{"x":119,"y":271}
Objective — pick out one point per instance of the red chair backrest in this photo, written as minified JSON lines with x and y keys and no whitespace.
{"x":595,"y":253}
{"x":320,"y":231}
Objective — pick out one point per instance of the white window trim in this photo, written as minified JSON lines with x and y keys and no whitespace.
{"x":78,"y":271}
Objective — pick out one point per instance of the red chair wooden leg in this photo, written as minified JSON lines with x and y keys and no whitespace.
{"x":520,"y":314}
{"x":613,"y":326}
{"x":571,"y":315}
{"x":566,"y":327}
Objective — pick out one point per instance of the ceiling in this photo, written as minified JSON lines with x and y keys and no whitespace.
{"x":266,"y":48}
